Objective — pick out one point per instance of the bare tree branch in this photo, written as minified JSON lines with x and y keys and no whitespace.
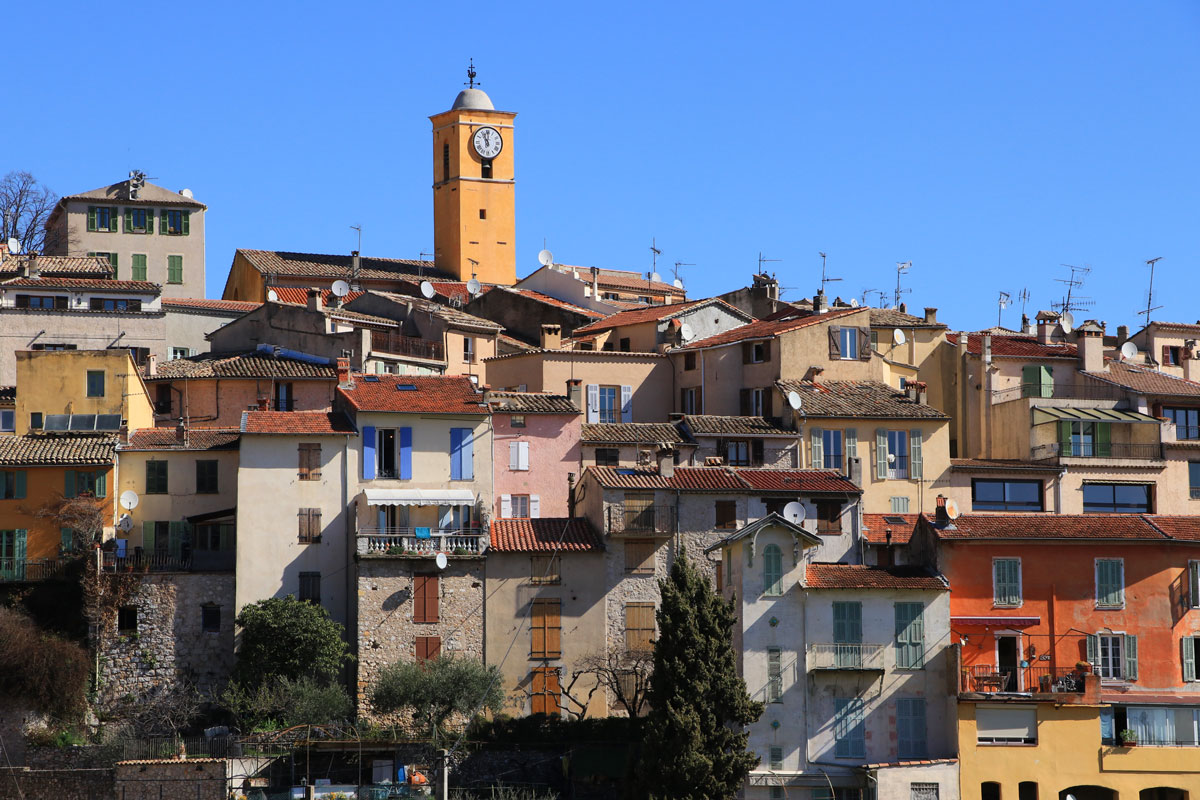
{"x":25,"y":205}
{"x":625,"y":673}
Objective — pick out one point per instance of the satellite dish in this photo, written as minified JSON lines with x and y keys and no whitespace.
{"x":473,"y":286}
{"x":14,"y":246}
{"x":952,"y":509}
{"x":794,"y":400}
{"x":898,"y":336}
{"x":125,"y":523}
{"x":685,"y":330}
{"x":654,"y":276}
{"x":854,"y":302}
{"x":794,"y":512}
{"x":441,"y":561}
{"x":129,"y":499}
{"x":340,"y":288}
{"x":677,"y":283}
{"x":891,"y":459}
{"x":427,"y":290}
{"x":1067,"y":321}
{"x":273,"y":296}
{"x":1129,"y":351}
{"x":545,"y":258}
{"x":186,"y":193}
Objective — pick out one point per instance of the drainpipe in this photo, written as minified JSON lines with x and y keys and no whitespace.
{"x":1058,"y":491}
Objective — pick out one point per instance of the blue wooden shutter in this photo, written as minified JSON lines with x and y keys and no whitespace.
{"x":368,"y":450}
{"x":19,"y":489}
{"x":406,"y":454}
{"x":910,"y":635}
{"x":468,"y":454}
{"x":626,"y":404}
{"x":456,"y":448}
{"x":910,"y":722}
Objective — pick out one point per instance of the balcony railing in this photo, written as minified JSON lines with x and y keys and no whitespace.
{"x":1066,"y":391}
{"x":397,"y":344}
{"x":28,"y":569}
{"x":146,"y":562}
{"x":1034,"y":678}
{"x":845,"y":656}
{"x":640,"y":520}
{"x":418,"y":541}
{"x":1135,"y":450}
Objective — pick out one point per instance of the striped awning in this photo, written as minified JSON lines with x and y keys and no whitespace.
{"x":1043,"y":414}
{"x":419,"y":497}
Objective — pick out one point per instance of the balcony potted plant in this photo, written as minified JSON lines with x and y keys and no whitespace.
{"x":1083,"y":666}
{"x":1129,"y":738}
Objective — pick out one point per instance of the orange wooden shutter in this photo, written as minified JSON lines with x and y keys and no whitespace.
{"x":553,"y":630}
{"x":537,"y":644}
{"x":431,"y":598}
{"x":428,"y":648}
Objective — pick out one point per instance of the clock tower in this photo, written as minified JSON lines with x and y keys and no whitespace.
{"x":474,"y":213}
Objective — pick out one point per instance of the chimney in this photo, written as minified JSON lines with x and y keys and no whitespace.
{"x":904,"y":308}
{"x":151,"y":365}
{"x":812,"y":373}
{"x":571,"y":494}
{"x":820,"y":304}
{"x":595,"y":283}
{"x":1090,"y":341}
{"x":1122,"y":334}
{"x":355,"y":268}
{"x":575,"y":392}
{"x":856,"y":471}
{"x":940,"y":515}
{"x":314,"y":300}
{"x":551,"y":337}
{"x":1026,"y":326}
{"x":987,"y":350}
{"x":343,"y":374}
{"x":922,"y":392}
{"x":264,"y":402}
{"x":1045,"y":327}
{"x":930,"y":315}
{"x":666,"y":461}
{"x":180,"y":433}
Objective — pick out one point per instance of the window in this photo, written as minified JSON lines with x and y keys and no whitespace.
{"x":910,"y":724}
{"x":127,"y":619}
{"x":8,"y":419}
{"x":1193,"y":578}
{"x":1194,"y":480}
{"x":206,"y":477}
{"x":179,"y":352}
{"x":462,"y":454}
{"x":1187,"y":421}
{"x":1037,"y":381}
{"x":485,"y":168}
{"x":639,"y":626}
{"x":112,"y":259}
{"x":910,"y":635}
{"x":607,"y":404}
{"x":772,"y":570}
{"x":737,"y":453}
{"x":95,"y":383}
{"x":35,"y":420}
{"x":1190,"y":646}
{"x":774,"y":675}
{"x":310,"y":587}
{"x":518,"y":456}
{"x":608,"y":457}
{"x":848,"y":727}
{"x":1005,"y":725}
{"x":545,"y":571}
{"x":428,"y":648}
{"x":831,"y":450}
{"x":175,"y":223}
{"x":12,"y":485}
{"x":1114,"y":655}
{"x":545,"y":695}
{"x":1110,"y":583}
{"x":468,"y":350}
{"x":689,"y":400}
{"x":174,"y":269}
{"x":310,"y":525}
{"x":310,"y":461}
{"x":445,"y":161}
{"x":898,"y":505}
{"x":923,"y":791}
{"x":847,"y":633}
{"x":156,"y":477}
{"x":44,"y":302}
{"x":897,"y":455}
{"x":756,"y":403}
{"x":425,"y":598}
{"x":1084,"y":439}
{"x":639,"y":556}
{"x":517,"y":420}
{"x":483,"y":213}
{"x":82,"y":483}
{"x":137,"y":271}
{"x":518,"y":507}
{"x":1027,"y":790}
{"x":139,"y":220}
{"x":989,"y":790}
{"x":215,"y":537}
{"x":210,"y":618}
{"x":114,"y":304}
{"x":546,"y":628}
{"x":1006,"y":495}
{"x":624,"y":345}
{"x":102,"y":218}
{"x":848,"y":343}
{"x":776,"y":758}
{"x":689,"y":361}
{"x":1006,"y":582}
{"x":1119,"y":498}
{"x":385,"y":453}
{"x":1171,"y":356}
{"x":162,"y":398}
{"x":284,"y":397}
{"x":829,"y":517}
{"x":726,"y":514}
{"x":756,"y":352}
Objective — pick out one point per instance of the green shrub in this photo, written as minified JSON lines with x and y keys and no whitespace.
{"x":41,"y":669}
{"x":438,"y":689}
{"x":288,"y":638}
{"x":283,"y":702}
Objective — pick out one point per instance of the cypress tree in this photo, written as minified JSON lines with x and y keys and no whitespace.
{"x":693,"y":744}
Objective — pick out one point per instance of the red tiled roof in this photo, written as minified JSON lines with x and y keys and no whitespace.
{"x":252,"y":364}
{"x":530,"y":403}
{"x":766,"y":329}
{"x":1183,"y":528}
{"x":1019,"y":346}
{"x":76,"y":266}
{"x":1049,"y":526}
{"x":804,"y":481}
{"x":294,"y":423}
{"x":47,"y":449}
{"x":917,"y":762}
{"x":706,"y":479}
{"x":639,"y":315}
{"x":546,"y":534}
{"x":442,"y":394}
{"x":239,"y":306}
{"x":1146,"y":381}
{"x":876,"y":527}
{"x":727,"y":479}
{"x":137,"y":287}
{"x":873,"y":399}
{"x":280,"y":262}
{"x":297,"y":295}
{"x":621,"y":279}
{"x":858,"y":576}
{"x":553,"y":301}
{"x":194,"y":439}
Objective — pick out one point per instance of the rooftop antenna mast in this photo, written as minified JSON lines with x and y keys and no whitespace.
{"x":764,"y":260}
{"x":1150,"y":307}
{"x":1024,"y":298}
{"x":1005,"y":299}
{"x":359,"y":229}
{"x":655,"y":252}
{"x":675,"y":270}
{"x":1074,"y":302}
{"x":867,"y":292}
{"x":824,"y":279}
{"x":901,"y":268}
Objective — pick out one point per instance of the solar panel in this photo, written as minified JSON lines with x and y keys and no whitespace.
{"x":56,"y":422}
{"x":895,"y":520}
{"x":108,"y":422}
{"x":82,"y":422}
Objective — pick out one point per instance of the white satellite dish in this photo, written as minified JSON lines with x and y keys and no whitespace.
{"x":794,"y":512}
{"x":677,"y":283}
{"x":474,"y":286}
{"x":129,"y":500}
{"x":545,"y":258}
{"x":340,"y":288}
{"x":794,"y":400}
{"x":427,"y":290}
{"x":1129,"y":351}
{"x":952,"y":509}
{"x":898,"y":336}
{"x":125,"y":523}
{"x":654,"y":276}
{"x":441,"y":561}
{"x":1067,"y":321}
{"x":186,"y":193}
{"x":686,"y":332}
{"x":273,"y":295}
{"x":854,"y":302}
{"x":14,"y":246}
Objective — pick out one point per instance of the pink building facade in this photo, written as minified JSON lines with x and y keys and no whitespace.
{"x":535,"y":441}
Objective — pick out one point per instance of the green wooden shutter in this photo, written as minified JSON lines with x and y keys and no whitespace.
{"x":149,"y":220}
{"x":1103,"y":439}
{"x":1131,"y":671}
{"x":187,"y":225}
{"x":91,"y":222}
{"x":1031,"y":381}
{"x":1046,"y":375}
{"x":19,"y":553}
{"x":68,"y":539}
{"x":1188,"y":643}
{"x":1093,"y":648}
{"x":1110,"y":579}
{"x":101,"y":484}
{"x":1064,"y":438}
{"x":129,"y":220}
{"x":916,"y":464}
{"x":19,"y":489}
{"x":1007,"y":582}
{"x":69,"y":483}
{"x":818,"y":448}
{"x":148,"y":537}
{"x":138,"y":270}
{"x":164,"y":223}
{"x":175,"y":542}
{"x":881,"y":447}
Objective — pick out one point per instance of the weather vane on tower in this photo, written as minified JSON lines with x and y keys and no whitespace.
{"x":471,"y":74}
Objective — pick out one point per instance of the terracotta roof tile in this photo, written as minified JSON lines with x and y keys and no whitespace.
{"x":94,"y":284}
{"x":895,"y":318}
{"x":252,"y":364}
{"x":857,"y":399}
{"x":150,"y":194}
{"x":530,"y":403}
{"x":8,"y":394}
{"x":448,"y":314}
{"x":318,"y":265}
{"x":294,"y":423}
{"x":195,"y":439}
{"x":1146,"y":381}
{"x":1018,"y":346}
{"x":1001,"y":464}
{"x":546,"y":534}
{"x":620,"y":478}
{"x":730,"y":480}
{"x":876,"y":527}
{"x":648,"y":314}
{"x":49,"y":449}
{"x":713,"y":425}
{"x":858,"y":576}
{"x":630,"y":433}
{"x":442,"y":394}
{"x":205,"y":304}
{"x":551,"y":301}
{"x":801,"y":481}
{"x":766,"y":329}
{"x":620,"y":279}
{"x":706,"y":479}
{"x":1183,"y":528}
{"x":1047,"y":526}
{"x":60,"y":266}
{"x":297,"y":295}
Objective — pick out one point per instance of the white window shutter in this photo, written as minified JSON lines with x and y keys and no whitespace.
{"x":506,"y":506}
{"x":593,"y":402}
{"x":514,"y":455}
{"x":626,"y":404}
{"x":523,"y":455}
{"x":535,"y":506}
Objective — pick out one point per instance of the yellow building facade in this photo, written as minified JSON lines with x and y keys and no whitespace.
{"x":79,"y":382}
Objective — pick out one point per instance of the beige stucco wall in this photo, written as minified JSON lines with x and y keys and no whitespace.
{"x":55,"y":382}
{"x":181,"y":500}
{"x":548,"y":371}
{"x":188,"y":329}
{"x":20,"y":329}
{"x":219,"y":403}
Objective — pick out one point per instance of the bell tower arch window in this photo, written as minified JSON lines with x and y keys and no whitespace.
{"x":445,"y":162}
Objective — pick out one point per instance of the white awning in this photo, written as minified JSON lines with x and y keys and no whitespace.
{"x":419,"y":497}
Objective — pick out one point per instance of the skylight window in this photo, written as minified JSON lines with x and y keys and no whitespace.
{"x":405,"y":387}
{"x":895,"y":520}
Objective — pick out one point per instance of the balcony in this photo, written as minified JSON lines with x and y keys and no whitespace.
{"x":621,"y":520}
{"x":19,"y":570}
{"x":396,"y":344}
{"x":1138,"y":451}
{"x":838,"y":656}
{"x":147,"y":562}
{"x":421,"y":542}
{"x":1064,"y":391}
{"x":988,"y":678}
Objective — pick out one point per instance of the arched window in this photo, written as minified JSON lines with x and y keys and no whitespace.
{"x":445,"y":161}
{"x":989,"y":790}
{"x":772,"y":570}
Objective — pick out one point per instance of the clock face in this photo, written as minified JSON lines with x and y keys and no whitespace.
{"x":487,"y":142}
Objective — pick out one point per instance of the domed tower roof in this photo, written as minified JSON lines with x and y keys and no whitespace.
{"x":472,"y":98}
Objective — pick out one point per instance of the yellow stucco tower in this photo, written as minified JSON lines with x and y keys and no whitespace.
{"x":474,"y":209}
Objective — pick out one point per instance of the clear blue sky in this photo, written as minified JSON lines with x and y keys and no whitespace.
{"x":986,"y":143}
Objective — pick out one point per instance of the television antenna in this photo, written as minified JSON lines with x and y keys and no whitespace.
{"x":359,"y":229}
{"x":825,"y":280}
{"x":764,"y":260}
{"x":137,"y":179}
{"x":1023,"y":296}
{"x":675,"y":272}
{"x":1073,"y":301}
{"x":655,"y":252}
{"x":1005,"y":300}
{"x":866,"y":294}
{"x":1150,"y":307}
{"x":901,"y":268}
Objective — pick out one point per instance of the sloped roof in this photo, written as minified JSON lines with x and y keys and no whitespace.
{"x":1144,"y":380}
{"x":859,"y":576}
{"x":895,"y":318}
{"x":320,"y":265}
{"x":1001,"y":464}
{"x":297,"y":295}
{"x":656,"y":313}
{"x":1018,"y":346}
{"x":58,"y":266}
{"x":714,"y":425}
{"x":93,"y":284}
{"x":251,"y":364}
{"x":530,"y":403}
{"x":732,"y":480}
{"x":40,"y":449}
{"x":619,"y":279}
{"x":205,"y":304}
{"x":195,"y":439}
{"x":544,"y":535}
{"x":876,"y":527}
{"x":551,"y":301}
{"x":440,"y":394}
{"x":630,"y":433}
{"x":450,"y":315}
{"x":297,"y":423}
{"x":872,"y":399}
{"x":150,"y":194}
{"x":1018,"y":527}
{"x":768,"y":328}
{"x":802,"y":481}
{"x":1185,"y":529}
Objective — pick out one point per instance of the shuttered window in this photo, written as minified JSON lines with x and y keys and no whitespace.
{"x":425,"y":598}
{"x":726,"y":514}
{"x":174,"y":269}
{"x":639,"y":556}
{"x":1190,"y":645}
{"x":310,"y":461}
{"x":206,"y":476}
{"x":1193,"y":578}
{"x":138,"y":271}
{"x":772,"y":570}
{"x":1110,"y":582}
{"x":910,"y":726}
{"x":545,"y":571}
{"x":462,"y":454}
{"x":1005,"y":725}
{"x":545,"y":623}
{"x":639,"y":626}
{"x":1006,"y":581}
{"x":546,"y":693}
{"x":310,"y":525}
{"x":12,"y":485}
{"x":774,"y":675}
{"x":156,"y":477}
{"x":910,"y":635}
{"x":848,"y":728}
{"x":310,"y":587}
{"x":847,"y":633}
{"x":428,"y":648}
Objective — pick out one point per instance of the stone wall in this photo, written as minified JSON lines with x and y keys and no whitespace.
{"x":169,"y":645}
{"x":777,"y":453}
{"x":59,"y":784}
{"x":188,"y":779}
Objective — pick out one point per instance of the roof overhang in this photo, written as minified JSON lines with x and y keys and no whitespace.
{"x":996,"y":621}
{"x":1044,"y":414}
{"x":419,"y":497}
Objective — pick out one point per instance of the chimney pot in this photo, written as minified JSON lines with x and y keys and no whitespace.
{"x":575,"y":392}
{"x":314,"y":300}
{"x":904,"y":308}
{"x":666,"y":462}
{"x":264,"y":402}
{"x":343,"y":374}
{"x":551,"y":337}
{"x":180,"y":433}
{"x":930,"y":314}
{"x":1122,"y":334}
{"x":151,"y":365}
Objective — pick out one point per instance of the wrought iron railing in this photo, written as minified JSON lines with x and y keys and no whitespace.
{"x":397,"y":344}
{"x":1135,"y":450}
{"x":421,"y":541}
{"x":651,"y":520}
{"x":28,"y":569}
{"x":1066,"y":391}
{"x":146,"y":562}
{"x":841,"y":655}
{"x":1034,"y":678}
